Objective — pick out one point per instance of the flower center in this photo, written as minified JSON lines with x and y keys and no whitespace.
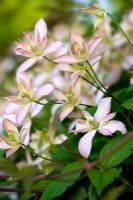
{"x":71,"y":99}
{"x":92,"y":123}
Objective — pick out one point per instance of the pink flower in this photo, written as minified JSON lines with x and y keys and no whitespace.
{"x":100,"y":122}
{"x":13,"y":140}
{"x":69,"y":98}
{"x":35,"y":46}
{"x":78,"y":52}
{"x":23,"y":103}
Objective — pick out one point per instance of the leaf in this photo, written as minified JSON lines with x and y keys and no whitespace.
{"x":102,"y":179}
{"x":119,"y":156}
{"x":58,"y":187}
{"x":92,"y":193}
{"x":78,"y":194}
{"x":128,"y":105}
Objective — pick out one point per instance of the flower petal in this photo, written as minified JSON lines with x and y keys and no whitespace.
{"x":40,"y":30}
{"x":53,"y":47}
{"x":65,"y":112}
{"x":103,"y":109}
{"x":65,"y":59}
{"x":25,"y":138}
{"x":11,"y":151}
{"x":44,"y":90}
{"x":26,"y":65}
{"x":85,"y":143}
{"x":115,"y":125}
{"x":9,"y":126}
{"x":60,"y":139}
{"x":21,"y":113}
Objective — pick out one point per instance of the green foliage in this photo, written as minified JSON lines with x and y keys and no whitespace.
{"x":58,"y":187}
{"x":101,"y":179}
{"x":118,"y":156}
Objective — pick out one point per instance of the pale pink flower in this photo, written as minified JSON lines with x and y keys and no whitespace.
{"x":79,"y":52}
{"x":12,"y":141}
{"x":69,"y":98}
{"x":35,"y":46}
{"x":23,"y":104}
{"x":101,"y":122}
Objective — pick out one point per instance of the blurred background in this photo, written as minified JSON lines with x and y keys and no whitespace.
{"x":17,"y":16}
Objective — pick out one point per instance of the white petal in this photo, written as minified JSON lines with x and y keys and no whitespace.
{"x":115,"y":125}
{"x":9,"y":126}
{"x":21,"y":113}
{"x":44,"y":90}
{"x":64,"y":67}
{"x":53,"y":47}
{"x":40,"y":30}
{"x":66,"y":59}
{"x":59,"y":95}
{"x":85,"y":143}
{"x":11,"y":151}
{"x":26,"y":65}
{"x":103,"y":109}
{"x":65,"y":112}
{"x":25,"y":138}
{"x":60,"y":139}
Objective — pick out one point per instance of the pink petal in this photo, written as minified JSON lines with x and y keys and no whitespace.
{"x":115,"y":125}
{"x":25,"y":138}
{"x":21,"y":113}
{"x":40,"y":30}
{"x":65,"y":67}
{"x":93,"y":45}
{"x":26,"y":65}
{"x":53,"y":47}
{"x":9,"y":126}
{"x":104,"y":131}
{"x":11,"y":151}
{"x":59,"y":95}
{"x":66,"y":59}
{"x":109,"y":117}
{"x":103,"y":109}
{"x":3,"y":144}
{"x":77,"y":87}
{"x":44,"y":90}
{"x":36,"y":108}
{"x":85,"y":143}
{"x":65,"y":112}
{"x":76,"y":37}
{"x":81,"y":126}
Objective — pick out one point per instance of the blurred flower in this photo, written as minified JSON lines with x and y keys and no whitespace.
{"x":12,"y":141}
{"x":99,"y":13}
{"x":79,"y":52}
{"x":100,"y":122}
{"x":23,"y":103}
{"x":35,"y":47}
{"x":69,"y":98}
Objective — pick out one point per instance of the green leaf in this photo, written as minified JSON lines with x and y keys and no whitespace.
{"x":101,"y":179}
{"x":119,"y":156}
{"x":58,"y":187}
{"x":128,"y":105}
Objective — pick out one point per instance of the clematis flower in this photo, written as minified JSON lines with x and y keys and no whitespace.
{"x":101,"y":122}
{"x":79,"y":52}
{"x":23,"y":103}
{"x":12,"y":141}
{"x":35,"y":46}
{"x":69,"y":98}
{"x":99,"y":13}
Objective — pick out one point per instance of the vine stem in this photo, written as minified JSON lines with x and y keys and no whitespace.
{"x":36,"y":154}
{"x":121,"y":29}
{"x":53,"y":102}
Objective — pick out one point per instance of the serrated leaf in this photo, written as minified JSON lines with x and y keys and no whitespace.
{"x":119,"y":156}
{"x":58,"y":187}
{"x":101,"y":179}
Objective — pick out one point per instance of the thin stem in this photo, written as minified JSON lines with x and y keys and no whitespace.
{"x":121,"y":29}
{"x":54,"y":102}
{"x":36,"y":154}
{"x":8,"y":189}
{"x":48,"y":59}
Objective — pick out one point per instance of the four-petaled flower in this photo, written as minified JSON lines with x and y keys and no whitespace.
{"x":100,"y":122}
{"x":69,"y":98}
{"x":24,"y":102}
{"x":35,"y":46}
{"x":12,"y":140}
